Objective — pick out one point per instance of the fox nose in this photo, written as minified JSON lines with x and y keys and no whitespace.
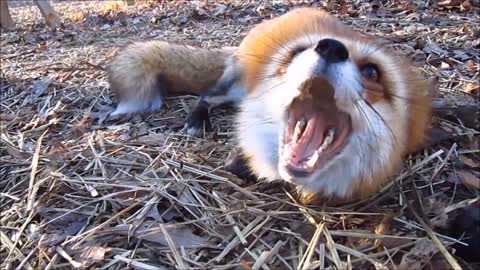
{"x":332,"y":50}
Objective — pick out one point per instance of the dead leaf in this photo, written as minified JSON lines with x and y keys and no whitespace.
{"x":61,"y":226}
{"x":469,"y":179}
{"x":245,"y":264}
{"x":87,"y":254}
{"x":246,"y":19}
{"x":434,"y":48}
{"x":419,"y":255}
{"x":136,"y":20}
{"x":435,"y":208}
{"x":15,"y":153}
{"x":105,"y":26}
{"x":45,"y":35}
{"x":344,"y":9}
{"x":329,"y":5}
{"x":461,"y":55}
{"x":57,"y":147}
{"x":6,"y":117}
{"x":471,"y":66}
{"x":154,"y":213}
{"x":151,"y":138}
{"x":39,"y":87}
{"x":201,"y":12}
{"x":126,"y":197}
{"x":445,"y":65}
{"x":383,"y":12}
{"x":466,"y":5}
{"x":165,"y":213}
{"x":150,"y":231}
{"x":76,"y":16}
{"x":180,"y":236}
{"x":470,"y":162}
{"x":471,"y":87}
{"x":376,"y":4}
{"x":113,"y":5}
{"x":384,"y":227}
{"x":450,"y":3}
{"x":124,"y":137}
{"x":42,"y":48}
{"x":219,"y":9}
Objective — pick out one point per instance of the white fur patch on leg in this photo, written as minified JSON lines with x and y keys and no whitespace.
{"x":133,"y":105}
{"x":194,"y":131}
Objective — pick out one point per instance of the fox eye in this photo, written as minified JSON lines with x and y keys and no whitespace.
{"x":296,"y":51}
{"x":374,"y":89}
{"x":370,"y":72}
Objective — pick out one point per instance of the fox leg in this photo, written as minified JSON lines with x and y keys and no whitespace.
{"x":153,"y":88}
{"x":137,"y":105}
{"x":227,"y":90}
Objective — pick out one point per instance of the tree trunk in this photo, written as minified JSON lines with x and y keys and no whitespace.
{"x":5,"y":17}
{"x":52,"y":18}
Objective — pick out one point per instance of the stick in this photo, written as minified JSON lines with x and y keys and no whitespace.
{"x":5,"y":17}
{"x":52,"y":18}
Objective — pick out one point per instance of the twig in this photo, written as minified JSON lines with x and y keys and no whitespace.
{"x":32,"y":188}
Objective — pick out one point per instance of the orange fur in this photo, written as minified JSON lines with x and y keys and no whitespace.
{"x":268,"y":37}
{"x":420,"y":114}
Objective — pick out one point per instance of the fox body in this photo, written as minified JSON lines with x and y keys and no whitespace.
{"x":321,"y":105}
{"x":142,"y":73}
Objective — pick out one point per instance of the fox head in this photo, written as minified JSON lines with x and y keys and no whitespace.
{"x":327,"y":108}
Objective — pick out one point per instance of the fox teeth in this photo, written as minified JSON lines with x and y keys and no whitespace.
{"x":299,"y":128}
{"x":326,"y":142}
{"x":313,"y":159}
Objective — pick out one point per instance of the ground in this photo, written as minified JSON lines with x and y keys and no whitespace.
{"x":76,"y":192}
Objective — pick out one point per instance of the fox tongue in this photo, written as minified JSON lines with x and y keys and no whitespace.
{"x":306,"y":135}
{"x":315,"y":128}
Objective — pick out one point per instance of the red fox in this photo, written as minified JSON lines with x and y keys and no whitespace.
{"x":321,"y":105}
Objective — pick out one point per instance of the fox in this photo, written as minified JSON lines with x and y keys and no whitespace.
{"x":321,"y":106}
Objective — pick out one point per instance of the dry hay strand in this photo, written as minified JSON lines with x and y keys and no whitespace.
{"x":76,"y":193}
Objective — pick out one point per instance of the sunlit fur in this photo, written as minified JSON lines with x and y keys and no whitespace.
{"x":382,"y":132}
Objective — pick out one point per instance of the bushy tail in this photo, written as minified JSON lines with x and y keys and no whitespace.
{"x":143,"y":72}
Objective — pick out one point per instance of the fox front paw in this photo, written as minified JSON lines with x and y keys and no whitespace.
{"x":198,"y":121}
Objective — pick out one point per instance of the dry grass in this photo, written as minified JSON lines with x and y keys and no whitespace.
{"x":138,"y":194}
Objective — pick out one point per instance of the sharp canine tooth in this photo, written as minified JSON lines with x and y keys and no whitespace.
{"x":302,"y":122}
{"x":316,"y":155}
{"x":313,"y":159}
{"x":328,"y":140}
{"x":299,"y":128}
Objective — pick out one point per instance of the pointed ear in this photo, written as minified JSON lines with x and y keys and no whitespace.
{"x":432,"y":87}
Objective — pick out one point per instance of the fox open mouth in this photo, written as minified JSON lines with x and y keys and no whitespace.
{"x":314,"y":133}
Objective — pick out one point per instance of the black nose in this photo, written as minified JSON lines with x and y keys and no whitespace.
{"x":331,"y":50}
